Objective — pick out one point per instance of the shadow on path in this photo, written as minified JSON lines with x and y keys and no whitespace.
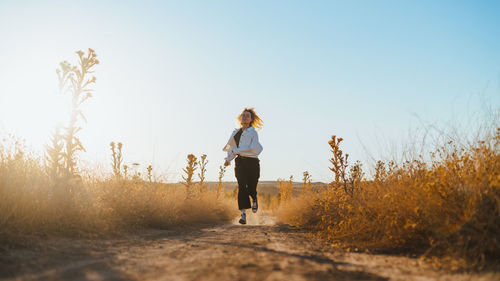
{"x":87,"y":259}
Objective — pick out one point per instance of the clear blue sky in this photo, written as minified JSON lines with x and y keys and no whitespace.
{"x":174,"y":75}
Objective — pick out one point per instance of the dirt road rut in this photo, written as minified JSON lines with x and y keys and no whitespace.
{"x":261,"y":250}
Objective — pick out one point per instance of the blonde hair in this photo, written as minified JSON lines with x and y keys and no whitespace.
{"x":256,"y":122}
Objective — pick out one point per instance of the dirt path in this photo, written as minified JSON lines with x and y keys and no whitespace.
{"x":260,"y":250}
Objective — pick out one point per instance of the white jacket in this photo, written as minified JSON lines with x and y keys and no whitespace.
{"x":249,"y":145}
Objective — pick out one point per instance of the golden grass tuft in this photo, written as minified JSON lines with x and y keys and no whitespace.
{"x":33,"y":204}
{"x":139,"y":204}
{"x":448,"y":206}
{"x":285,"y":188}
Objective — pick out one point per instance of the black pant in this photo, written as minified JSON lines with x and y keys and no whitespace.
{"x":247,"y":171}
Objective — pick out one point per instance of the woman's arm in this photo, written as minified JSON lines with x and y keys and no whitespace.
{"x":228,"y":148}
{"x":230,"y":143}
{"x":230,"y":156}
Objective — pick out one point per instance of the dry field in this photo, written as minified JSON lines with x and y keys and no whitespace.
{"x":134,"y":228}
{"x":446,"y":209}
{"x":432,"y":217}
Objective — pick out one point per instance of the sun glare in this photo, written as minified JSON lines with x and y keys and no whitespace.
{"x":30,"y":104}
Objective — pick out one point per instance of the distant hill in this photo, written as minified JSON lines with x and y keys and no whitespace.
{"x":263,"y":187}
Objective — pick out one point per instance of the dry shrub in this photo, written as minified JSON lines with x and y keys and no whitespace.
{"x":448,"y":206}
{"x":285,"y":188}
{"x":33,"y":204}
{"x":303,"y":211}
{"x":268,"y":202}
{"x":140,"y":204}
{"x":476,"y":243}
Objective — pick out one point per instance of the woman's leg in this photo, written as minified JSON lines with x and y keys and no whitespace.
{"x":253,"y":178}
{"x":242,"y":177}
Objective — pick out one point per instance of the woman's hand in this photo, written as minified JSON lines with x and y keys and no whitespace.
{"x":226,"y":163}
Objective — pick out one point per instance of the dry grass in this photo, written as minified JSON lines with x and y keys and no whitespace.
{"x":32,"y":204}
{"x":285,"y":190}
{"x":448,"y":206}
{"x":154,"y":205}
{"x":48,"y":195}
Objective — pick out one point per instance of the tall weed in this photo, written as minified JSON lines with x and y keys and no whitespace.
{"x":447,"y":206}
{"x":31,"y":205}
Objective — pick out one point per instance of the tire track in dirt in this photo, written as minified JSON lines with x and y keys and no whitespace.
{"x":261,"y":250}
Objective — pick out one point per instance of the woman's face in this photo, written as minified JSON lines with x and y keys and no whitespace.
{"x":246,"y":117}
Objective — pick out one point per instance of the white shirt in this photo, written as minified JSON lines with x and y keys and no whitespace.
{"x":249,"y":145}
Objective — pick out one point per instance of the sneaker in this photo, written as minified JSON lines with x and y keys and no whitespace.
{"x":243,"y":219}
{"x":255,"y":206}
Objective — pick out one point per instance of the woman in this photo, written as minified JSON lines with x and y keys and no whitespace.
{"x":244,"y":145}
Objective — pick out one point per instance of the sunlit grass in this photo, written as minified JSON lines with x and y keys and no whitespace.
{"x":448,"y":207}
{"x":51,"y":195}
{"x":32,"y":204}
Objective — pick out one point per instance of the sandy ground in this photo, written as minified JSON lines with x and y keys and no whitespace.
{"x":260,"y":250}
